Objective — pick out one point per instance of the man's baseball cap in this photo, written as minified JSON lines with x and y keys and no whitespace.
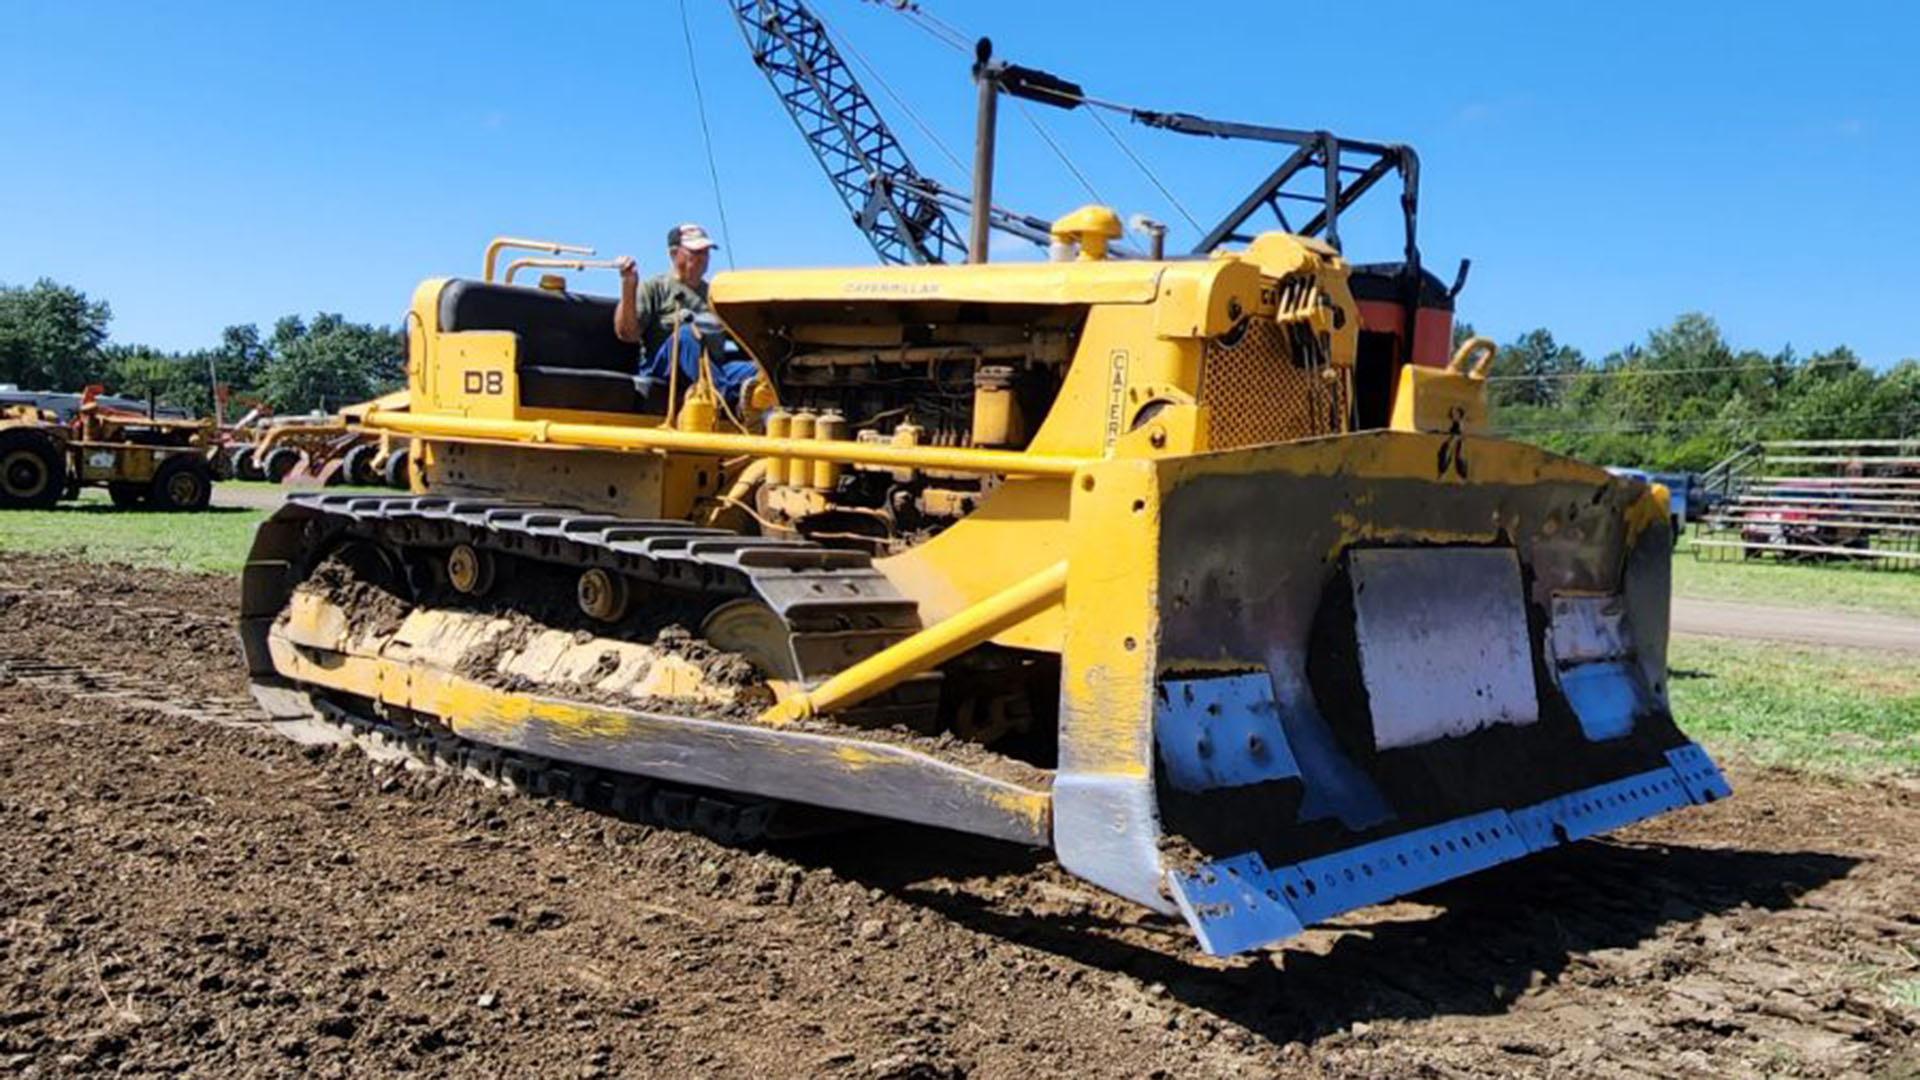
{"x":689,"y":236}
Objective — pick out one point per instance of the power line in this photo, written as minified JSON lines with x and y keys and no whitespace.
{"x":706,"y":134}
{"x":1623,"y":373}
{"x":1657,"y":425}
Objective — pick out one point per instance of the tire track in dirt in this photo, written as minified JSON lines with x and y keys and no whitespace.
{"x":186,"y":899}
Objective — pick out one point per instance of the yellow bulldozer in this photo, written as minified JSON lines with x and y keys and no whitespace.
{"x":1095,"y":555}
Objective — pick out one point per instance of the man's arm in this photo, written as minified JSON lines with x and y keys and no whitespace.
{"x":626,"y":314}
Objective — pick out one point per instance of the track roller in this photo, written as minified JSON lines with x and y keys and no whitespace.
{"x":602,"y":595}
{"x":469,"y":571}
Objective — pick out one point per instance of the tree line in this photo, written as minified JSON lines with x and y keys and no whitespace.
{"x":55,"y":337}
{"x":1683,"y":398}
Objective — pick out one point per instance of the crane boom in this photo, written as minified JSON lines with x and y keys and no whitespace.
{"x":904,"y":214}
{"x":887,"y":197}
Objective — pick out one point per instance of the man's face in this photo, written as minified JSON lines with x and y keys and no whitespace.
{"x":689,"y":265}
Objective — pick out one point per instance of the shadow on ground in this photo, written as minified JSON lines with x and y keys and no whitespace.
{"x":1497,"y":933}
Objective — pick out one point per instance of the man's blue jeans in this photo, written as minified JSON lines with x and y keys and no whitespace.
{"x":728,"y":375}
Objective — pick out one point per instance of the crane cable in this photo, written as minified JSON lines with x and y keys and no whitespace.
{"x":706,"y":133}
{"x":926,"y":20}
{"x":1142,"y":166}
{"x":1040,"y":130}
{"x":952,"y":33}
{"x":924,"y":127}
{"x":948,"y":35}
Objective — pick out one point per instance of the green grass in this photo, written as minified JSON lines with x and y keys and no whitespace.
{"x":1891,"y":592}
{"x":213,"y":541}
{"x":1829,"y":710}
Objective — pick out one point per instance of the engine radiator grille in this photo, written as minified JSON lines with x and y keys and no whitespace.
{"x":1269,"y":385}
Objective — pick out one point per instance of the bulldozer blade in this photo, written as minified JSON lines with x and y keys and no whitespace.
{"x":1395,"y":677}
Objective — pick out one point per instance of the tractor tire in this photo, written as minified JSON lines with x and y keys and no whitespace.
{"x":395,"y":473}
{"x":230,"y":458}
{"x":244,"y":465}
{"x":279,"y":463}
{"x":356,"y":466}
{"x":126,"y":494}
{"x":182,"y":483}
{"x":33,"y":470}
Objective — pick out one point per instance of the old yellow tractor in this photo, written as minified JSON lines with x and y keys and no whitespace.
{"x":142,"y":461}
{"x":1094,"y":555}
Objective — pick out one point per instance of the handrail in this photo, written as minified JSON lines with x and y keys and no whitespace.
{"x":625,"y":437}
{"x":556,"y":264}
{"x":501,"y":243}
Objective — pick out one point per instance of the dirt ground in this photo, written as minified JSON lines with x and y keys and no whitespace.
{"x":180,"y":898}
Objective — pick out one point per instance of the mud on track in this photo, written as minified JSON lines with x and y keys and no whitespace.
{"x":180,"y":898}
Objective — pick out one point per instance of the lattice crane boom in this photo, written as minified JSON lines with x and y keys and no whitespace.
{"x":891,"y":203}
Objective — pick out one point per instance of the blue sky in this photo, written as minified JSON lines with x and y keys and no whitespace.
{"x":1606,"y":167}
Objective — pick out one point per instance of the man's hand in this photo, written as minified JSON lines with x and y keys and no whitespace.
{"x":626,"y":320}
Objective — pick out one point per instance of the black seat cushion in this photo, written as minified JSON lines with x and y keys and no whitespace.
{"x":568,"y":357}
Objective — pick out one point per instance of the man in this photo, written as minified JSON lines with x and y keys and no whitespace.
{"x":669,"y":313}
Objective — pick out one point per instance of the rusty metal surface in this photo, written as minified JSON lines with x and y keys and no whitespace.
{"x":1252,"y":556}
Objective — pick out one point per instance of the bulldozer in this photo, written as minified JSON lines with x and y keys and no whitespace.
{"x":1094,"y":555}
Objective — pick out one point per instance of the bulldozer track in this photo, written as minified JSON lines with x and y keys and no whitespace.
{"x":838,"y":608}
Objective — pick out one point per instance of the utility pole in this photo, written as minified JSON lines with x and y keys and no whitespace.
{"x":995,"y":77}
{"x":986,"y":76}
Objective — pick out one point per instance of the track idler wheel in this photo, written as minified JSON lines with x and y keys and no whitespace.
{"x":603,"y":596}
{"x":469,"y":571}
{"x":751,"y":629}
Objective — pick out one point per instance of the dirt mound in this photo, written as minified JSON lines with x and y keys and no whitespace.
{"x":181,"y":899}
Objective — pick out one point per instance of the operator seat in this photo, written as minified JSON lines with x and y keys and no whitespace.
{"x":568,"y":356}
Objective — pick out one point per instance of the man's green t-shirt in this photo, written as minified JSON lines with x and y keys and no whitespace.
{"x":661,"y":304}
